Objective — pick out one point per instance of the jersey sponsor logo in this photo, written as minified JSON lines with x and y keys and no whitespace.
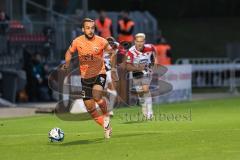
{"x":143,"y":61}
{"x":87,"y":57}
{"x":96,"y":49}
{"x":128,"y":59}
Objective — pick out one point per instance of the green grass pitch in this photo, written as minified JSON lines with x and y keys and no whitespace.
{"x":199,"y":130}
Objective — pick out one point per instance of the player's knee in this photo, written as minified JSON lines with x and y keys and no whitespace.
{"x":97,"y":95}
{"x":97,"y":92}
{"x":90,"y":104}
{"x":97,"y":99}
{"x":145,"y":88}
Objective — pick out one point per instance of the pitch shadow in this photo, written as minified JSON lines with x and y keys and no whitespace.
{"x":84,"y":141}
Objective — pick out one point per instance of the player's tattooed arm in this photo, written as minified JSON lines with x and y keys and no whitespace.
{"x":68,"y":55}
{"x":132,"y":67}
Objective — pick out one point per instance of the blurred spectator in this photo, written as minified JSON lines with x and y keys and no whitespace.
{"x":3,"y":22}
{"x":104,"y":25}
{"x":163,"y":55}
{"x":125,"y":28}
{"x":37,"y":77}
{"x":40,"y":75}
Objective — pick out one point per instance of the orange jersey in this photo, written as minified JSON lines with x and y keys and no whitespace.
{"x":90,"y":53}
{"x":105,"y":28}
{"x":161,"y":54}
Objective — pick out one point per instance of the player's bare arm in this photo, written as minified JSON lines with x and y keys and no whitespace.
{"x":68,"y":57}
{"x":132,"y":67}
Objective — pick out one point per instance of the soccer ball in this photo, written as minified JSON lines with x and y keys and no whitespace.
{"x":56,"y":135}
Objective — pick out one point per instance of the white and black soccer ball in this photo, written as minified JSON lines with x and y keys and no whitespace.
{"x":56,"y":135}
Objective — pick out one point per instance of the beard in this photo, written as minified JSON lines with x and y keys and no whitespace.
{"x":139,"y":48}
{"x":89,"y":37}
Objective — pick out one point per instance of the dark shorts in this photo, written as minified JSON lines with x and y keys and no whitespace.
{"x":87,"y":85}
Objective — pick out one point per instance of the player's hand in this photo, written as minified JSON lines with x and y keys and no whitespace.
{"x":65,"y":67}
{"x":141,"y":67}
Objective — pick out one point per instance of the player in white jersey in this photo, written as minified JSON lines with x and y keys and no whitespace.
{"x":109,"y":85}
{"x":140,"y":59}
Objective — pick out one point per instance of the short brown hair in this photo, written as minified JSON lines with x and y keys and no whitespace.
{"x":86,"y":20}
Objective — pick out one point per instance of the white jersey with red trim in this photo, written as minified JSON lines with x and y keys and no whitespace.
{"x":144,"y":57}
{"x":107,"y":58}
{"x":107,"y":61}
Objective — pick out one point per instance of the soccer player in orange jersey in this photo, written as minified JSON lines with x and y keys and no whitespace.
{"x":90,"y":48}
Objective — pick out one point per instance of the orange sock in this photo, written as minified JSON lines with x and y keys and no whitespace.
{"x":103,"y":106}
{"x":99,"y":120}
{"x":95,"y":115}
